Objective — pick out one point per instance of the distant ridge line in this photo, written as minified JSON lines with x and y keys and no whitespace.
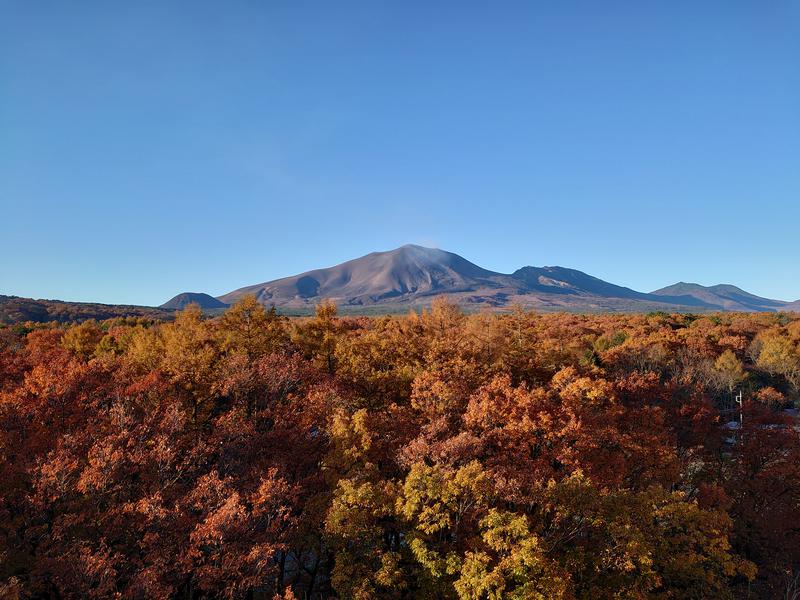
{"x":412,"y":275}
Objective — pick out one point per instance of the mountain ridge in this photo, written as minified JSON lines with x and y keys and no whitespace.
{"x":16,"y":309}
{"x":411,"y":275}
{"x":729,"y":297}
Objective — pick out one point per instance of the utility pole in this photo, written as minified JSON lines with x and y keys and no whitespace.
{"x":738,"y":400}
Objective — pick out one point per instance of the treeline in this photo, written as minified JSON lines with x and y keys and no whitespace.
{"x":14,"y":309}
{"x":439,"y":455}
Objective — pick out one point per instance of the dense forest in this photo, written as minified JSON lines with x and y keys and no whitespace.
{"x":14,"y":309}
{"x":434,"y":455}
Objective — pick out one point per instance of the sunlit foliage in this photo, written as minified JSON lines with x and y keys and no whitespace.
{"x":436,"y":455}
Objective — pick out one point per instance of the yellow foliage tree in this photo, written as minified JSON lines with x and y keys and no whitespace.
{"x":190,"y":357}
{"x":729,"y":370}
{"x":82,"y":340}
{"x":249,"y":328}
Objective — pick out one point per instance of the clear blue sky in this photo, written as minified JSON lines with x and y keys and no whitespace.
{"x":152,"y":147}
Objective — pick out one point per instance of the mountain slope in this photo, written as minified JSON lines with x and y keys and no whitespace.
{"x":725,"y":297}
{"x":792,"y":306}
{"x":559,"y":280}
{"x":413,"y":275}
{"x":405,"y":274}
{"x":183,"y":300}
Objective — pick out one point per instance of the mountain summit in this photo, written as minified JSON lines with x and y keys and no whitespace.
{"x":412,"y":275}
{"x":408,"y":272}
{"x":183,"y":300}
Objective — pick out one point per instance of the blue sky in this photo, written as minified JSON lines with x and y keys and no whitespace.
{"x":152,"y":147}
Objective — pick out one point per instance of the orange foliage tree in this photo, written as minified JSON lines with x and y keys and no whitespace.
{"x":436,"y":455}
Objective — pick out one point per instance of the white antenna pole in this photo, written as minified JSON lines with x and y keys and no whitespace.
{"x":738,"y":400}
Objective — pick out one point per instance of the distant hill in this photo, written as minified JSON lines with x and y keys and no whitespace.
{"x":183,"y":300}
{"x":14,"y":309}
{"x":792,"y":306}
{"x":724,"y":297}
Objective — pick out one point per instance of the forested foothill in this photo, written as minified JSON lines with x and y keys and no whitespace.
{"x":434,"y":455}
{"x":16,"y":310}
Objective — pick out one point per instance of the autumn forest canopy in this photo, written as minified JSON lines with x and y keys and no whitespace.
{"x":434,"y":455}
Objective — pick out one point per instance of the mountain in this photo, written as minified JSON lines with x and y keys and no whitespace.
{"x":559,"y":280}
{"x":408,"y":273}
{"x":412,"y":275}
{"x":183,"y":300}
{"x":723,"y":297}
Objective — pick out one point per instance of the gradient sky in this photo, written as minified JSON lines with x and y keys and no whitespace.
{"x":152,"y":147}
